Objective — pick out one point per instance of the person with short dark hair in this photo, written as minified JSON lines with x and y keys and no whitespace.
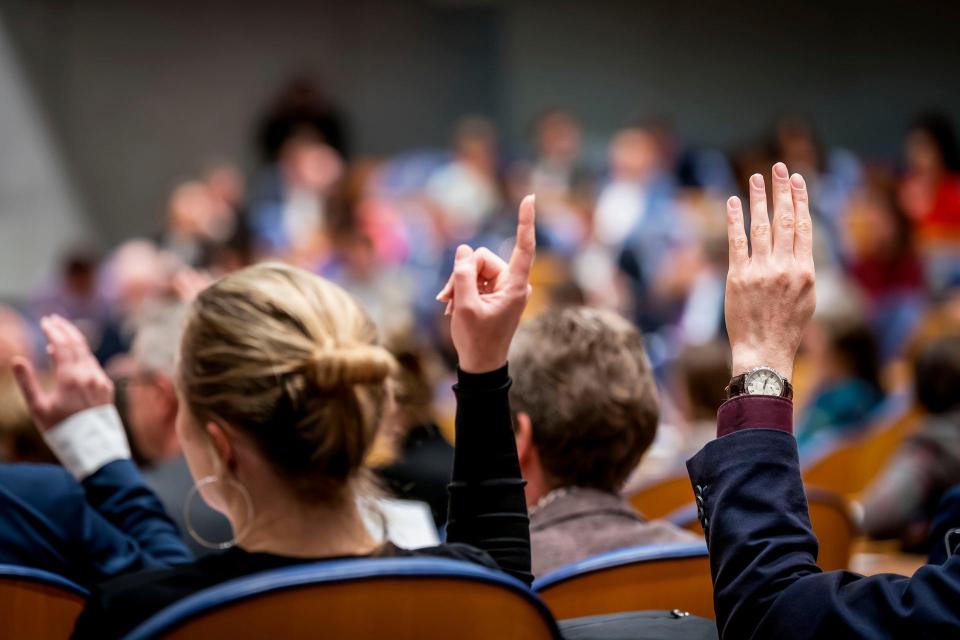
{"x":586,"y":411}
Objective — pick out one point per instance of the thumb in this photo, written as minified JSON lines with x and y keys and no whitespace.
{"x":465,"y":277}
{"x":27,"y":381}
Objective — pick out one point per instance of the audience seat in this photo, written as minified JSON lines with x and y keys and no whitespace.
{"x":663,"y":496}
{"x":37,"y":604}
{"x":397,"y":598}
{"x":847,"y":466}
{"x":668,"y":576}
{"x":830,"y":518}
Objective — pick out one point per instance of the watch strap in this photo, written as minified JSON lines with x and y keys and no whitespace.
{"x":738,"y":387}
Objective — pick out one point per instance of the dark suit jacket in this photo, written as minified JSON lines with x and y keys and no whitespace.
{"x":763,"y":556}
{"x":109,"y":525}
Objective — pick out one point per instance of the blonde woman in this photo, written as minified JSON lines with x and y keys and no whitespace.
{"x":282,"y":387}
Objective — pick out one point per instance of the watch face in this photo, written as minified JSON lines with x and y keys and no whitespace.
{"x":763,"y":382}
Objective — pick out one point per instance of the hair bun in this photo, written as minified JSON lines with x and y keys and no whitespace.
{"x":351,"y":365}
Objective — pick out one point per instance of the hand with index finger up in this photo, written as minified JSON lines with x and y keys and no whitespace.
{"x":488,"y":297}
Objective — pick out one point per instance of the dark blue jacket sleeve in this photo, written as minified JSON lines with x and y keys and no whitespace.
{"x":763,"y":556}
{"x":110,"y":525}
{"x":119,"y":495}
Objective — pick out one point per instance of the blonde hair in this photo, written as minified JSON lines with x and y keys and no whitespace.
{"x":293,"y":361}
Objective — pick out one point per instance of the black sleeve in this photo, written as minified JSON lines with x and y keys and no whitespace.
{"x":763,"y":556}
{"x":487,"y":506}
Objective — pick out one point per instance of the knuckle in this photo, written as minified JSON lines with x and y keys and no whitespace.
{"x":740,"y":242}
{"x":760,"y":229}
{"x":804,"y":225}
{"x":787,"y":221}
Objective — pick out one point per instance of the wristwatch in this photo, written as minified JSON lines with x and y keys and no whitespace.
{"x":762,"y":381}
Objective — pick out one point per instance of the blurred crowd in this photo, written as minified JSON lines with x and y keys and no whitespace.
{"x":640,"y":231}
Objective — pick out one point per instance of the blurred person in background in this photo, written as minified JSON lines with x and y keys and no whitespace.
{"x":231,"y":240}
{"x":635,"y":229}
{"x":832,"y":174}
{"x":301,"y":105}
{"x":586,"y":410}
{"x":559,"y":176}
{"x":701,"y":375}
{"x":73,"y":293}
{"x":881,"y":259}
{"x":135,"y":275}
{"x":189,"y":231}
{"x":423,"y":461}
{"x":151,"y":414}
{"x":901,"y":502}
{"x":384,"y":292}
{"x":843,"y":353}
{"x":19,"y":440}
{"x":288,"y":207}
{"x":559,"y":173}
{"x":930,"y":194}
{"x":467,"y":191}
{"x":363,"y":205}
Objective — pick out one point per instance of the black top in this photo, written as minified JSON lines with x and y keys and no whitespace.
{"x":487,"y":522}
{"x":423,"y":470}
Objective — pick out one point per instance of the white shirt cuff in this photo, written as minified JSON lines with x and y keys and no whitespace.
{"x":89,"y":440}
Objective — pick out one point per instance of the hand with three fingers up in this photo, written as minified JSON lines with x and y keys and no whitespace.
{"x":770,"y":295}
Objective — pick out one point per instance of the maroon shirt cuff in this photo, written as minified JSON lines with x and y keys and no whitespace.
{"x":755,"y":412}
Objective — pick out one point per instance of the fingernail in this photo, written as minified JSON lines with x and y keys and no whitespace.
{"x":463,"y":251}
{"x":733,"y":202}
{"x":797,"y":181}
{"x":757,"y":180}
{"x":533,"y":199}
{"x":780,"y":170}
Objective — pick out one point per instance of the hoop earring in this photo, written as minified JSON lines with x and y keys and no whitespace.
{"x":194,"y":491}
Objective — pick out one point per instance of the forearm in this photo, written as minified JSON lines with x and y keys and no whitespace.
{"x":487,"y":505}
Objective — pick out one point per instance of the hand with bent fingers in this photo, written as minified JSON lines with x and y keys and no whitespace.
{"x":80,"y":382}
{"x":770,"y":294}
{"x":486,"y":297}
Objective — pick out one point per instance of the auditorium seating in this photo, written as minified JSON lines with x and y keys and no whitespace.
{"x":397,"y":598}
{"x":663,"y":496}
{"x":848,"y":465}
{"x":830,"y":518}
{"x":669,"y":576}
{"x":37,"y":604}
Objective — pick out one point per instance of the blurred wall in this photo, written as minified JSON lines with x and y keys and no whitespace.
{"x":40,"y":214}
{"x":723,"y":70}
{"x":142,"y":94}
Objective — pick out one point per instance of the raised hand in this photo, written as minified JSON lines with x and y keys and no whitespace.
{"x":770,"y":289}
{"x":80,"y":382}
{"x":486,"y":297}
